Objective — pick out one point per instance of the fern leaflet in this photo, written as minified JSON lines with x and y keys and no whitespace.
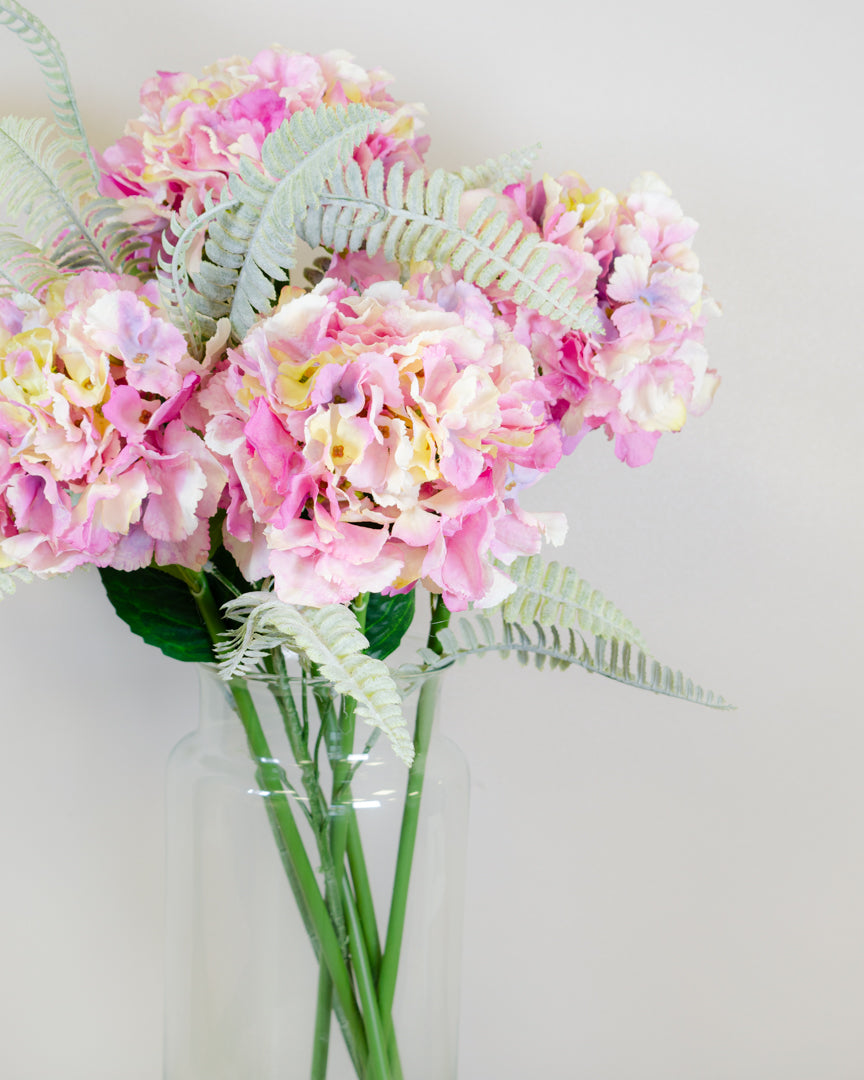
{"x":330,"y":638}
{"x":47,"y":185}
{"x":497,"y":173}
{"x":10,"y":577}
{"x":561,"y":648}
{"x":250,"y":244}
{"x":550,"y":594}
{"x":419,"y":219}
{"x":23,"y":268}
{"x":46,"y":49}
{"x":186,"y":308}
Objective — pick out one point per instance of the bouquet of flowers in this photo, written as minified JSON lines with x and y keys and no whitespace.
{"x":269,"y":468}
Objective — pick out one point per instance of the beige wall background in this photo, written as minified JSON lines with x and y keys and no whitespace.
{"x":655,"y":891}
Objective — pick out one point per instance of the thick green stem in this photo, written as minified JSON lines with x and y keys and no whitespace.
{"x":408,"y":834}
{"x":363,"y":892}
{"x":318,"y":808}
{"x":407,"y":840}
{"x":301,"y":875}
{"x":378,"y":1068}
{"x":321,"y":1039}
{"x":330,"y":862}
{"x":335,"y":839}
{"x":316,"y":911}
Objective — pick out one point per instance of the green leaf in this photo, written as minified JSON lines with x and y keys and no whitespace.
{"x":387,"y":621}
{"x":160,"y":609}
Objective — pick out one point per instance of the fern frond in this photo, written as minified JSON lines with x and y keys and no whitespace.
{"x":182,"y":304}
{"x":250,"y":245}
{"x":10,"y":577}
{"x":124,"y":247}
{"x":497,"y":173}
{"x":23,"y":267}
{"x":419,"y":219}
{"x":551,"y":594}
{"x":475,"y":635}
{"x":46,"y":49}
{"x":47,"y":186}
{"x":330,"y":638}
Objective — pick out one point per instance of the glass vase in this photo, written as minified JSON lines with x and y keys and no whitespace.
{"x":313,"y":923}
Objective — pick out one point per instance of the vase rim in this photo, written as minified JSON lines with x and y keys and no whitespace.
{"x":405,"y":679}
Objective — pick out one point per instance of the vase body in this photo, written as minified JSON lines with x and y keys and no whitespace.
{"x":243,"y":978}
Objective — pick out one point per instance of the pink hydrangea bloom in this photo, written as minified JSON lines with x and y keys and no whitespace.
{"x":96,"y":462}
{"x":193,"y":130}
{"x":645,"y":370}
{"x":373,"y":438}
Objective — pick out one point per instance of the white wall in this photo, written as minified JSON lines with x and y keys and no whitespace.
{"x":656,"y":891}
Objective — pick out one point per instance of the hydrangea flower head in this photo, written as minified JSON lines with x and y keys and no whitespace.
{"x":373,"y":437}
{"x":96,"y":463}
{"x":645,"y":370}
{"x":193,"y":130}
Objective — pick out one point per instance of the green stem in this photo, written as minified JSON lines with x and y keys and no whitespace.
{"x":336,"y":843}
{"x":321,"y":1038}
{"x":438,"y":622}
{"x":319,"y":810}
{"x":297,"y":732}
{"x":324,"y":998}
{"x":369,"y":928}
{"x":378,"y":1069}
{"x":363,"y":891}
{"x":408,"y":833}
{"x":405,"y":857}
{"x":301,"y":875}
{"x":315,"y":908}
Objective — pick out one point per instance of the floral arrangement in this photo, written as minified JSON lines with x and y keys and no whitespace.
{"x":261,"y":463}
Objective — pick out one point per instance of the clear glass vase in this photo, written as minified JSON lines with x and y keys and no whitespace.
{"x":258,"y":987}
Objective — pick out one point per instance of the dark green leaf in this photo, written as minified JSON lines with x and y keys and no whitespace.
{"x":160,"y":609}
{"x":387,"y":620}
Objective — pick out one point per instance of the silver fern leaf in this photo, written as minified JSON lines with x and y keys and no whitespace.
{"x":46,"y":49}
{"x":10,"y":577}
{"x":559,"y":647}
{"x":331,"y":639}
{"x":250,"y":244}
{"x":47,"y":186}
{"x":418,"y":219}
{"x":550,"y":594}
{"x":181,"y":302}
{"x":23,"y":267}
{"x":497,"y":173}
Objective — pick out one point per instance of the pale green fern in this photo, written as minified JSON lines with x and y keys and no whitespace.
{"x":419,"y":219}
{"x":47,"y":186}
{"x":497,"y":173}
{"x":46,"y":49}
{"x":180,"y":301}
{"x":476,"y":635}
{"x":10,"y":577}
{"x":23,"y":268}
{"x":550,"y":594}
{"x":250,"y":243}
{"x":330,"y":638}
